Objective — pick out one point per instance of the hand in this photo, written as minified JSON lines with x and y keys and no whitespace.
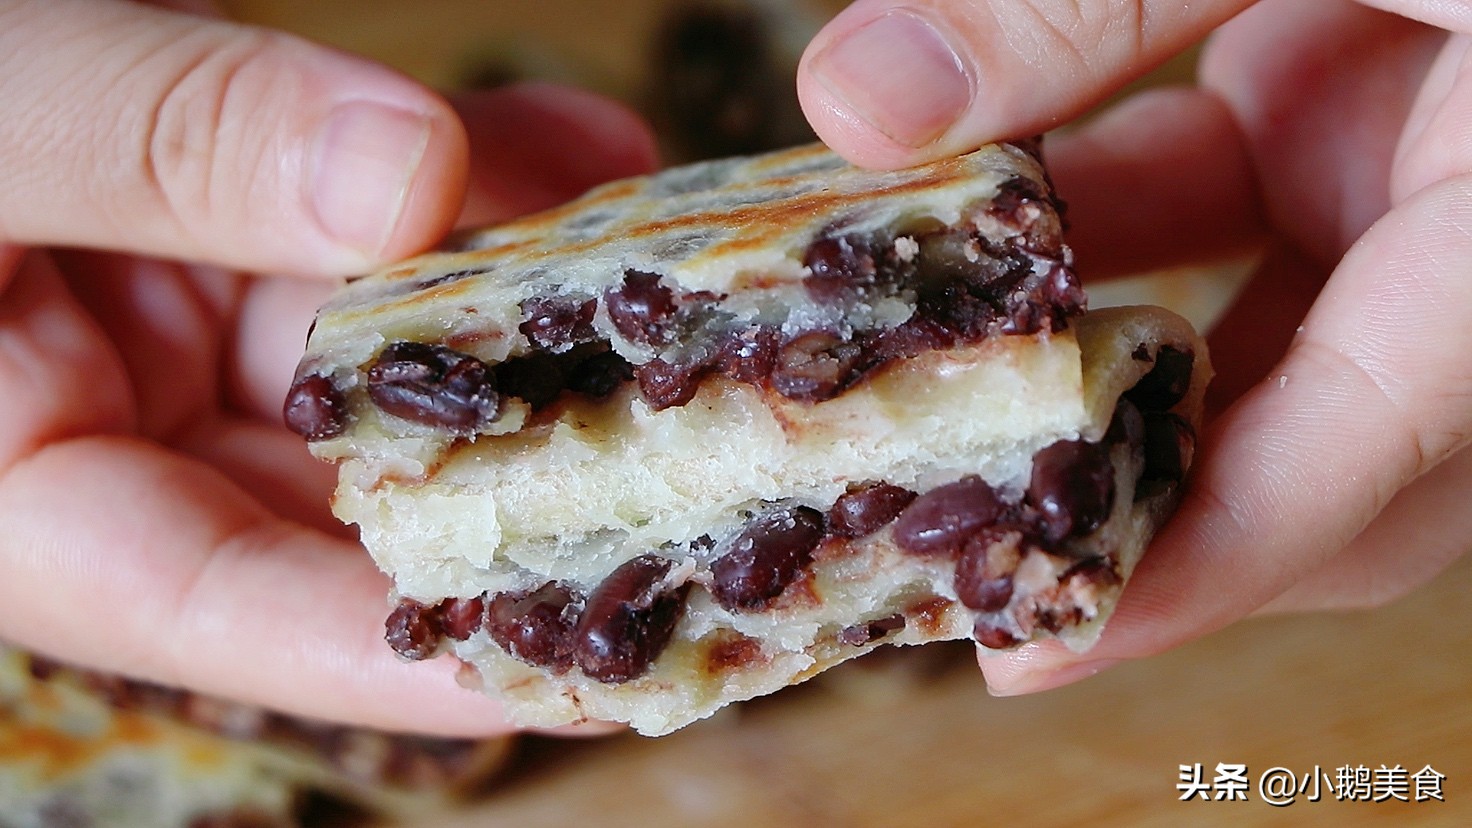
{"x":1329,"y":135}
{"x":158,"y":520}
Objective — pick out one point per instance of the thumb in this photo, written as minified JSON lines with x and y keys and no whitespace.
{"x":889,"y":83}
{"x":132,"y":128}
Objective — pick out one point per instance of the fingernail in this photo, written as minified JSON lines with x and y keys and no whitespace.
{"x":362,"y":165}
{"x":1024,"y":681}
{"x":899,"y":74}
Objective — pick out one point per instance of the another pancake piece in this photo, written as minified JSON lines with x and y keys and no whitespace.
{"x":698,"y":436}
{"x":81,"y":748}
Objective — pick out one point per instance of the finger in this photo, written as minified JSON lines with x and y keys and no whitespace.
{"x":1377,"y":392}
{"x":59,"y":374}
{"x":536,"y":145}
{"x":1426,"y":154}
{"x":270,"y":464}
{"x":1160,"y":180}
{"x":889,"y":83}
{"x":132,"y":560}
{"x":1321,"y":91}
{"x":133,"y":128}
{"x":1456,"y":17}
{"x":167,"y":323}
{"x":1420,"y":533}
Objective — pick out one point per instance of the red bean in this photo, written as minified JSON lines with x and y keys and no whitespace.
{"x":666,"y":384}
{"x":536,"y":378}
{"x":815,"y":366}
{"x":1072,"y":488}
{"x":1170,"y":444}
{"x":642,"y":309}
{"x":839,"y":268}
{"x":749,"y":355}
{"x":315,"y":408}
{"x":628,"y":621}
{"x":858,"y":635}
{"x":768,"y":555}
{"x":940,"y":520}
{"x":434,"y":385}
{"x":413,"y":630}
{"x":994,"y":636}
{"x":535,"y":626}
{"x":864,"y":510}
{"x":984,"y":572}
{"x":599,"y":375}
{"x":461,"y":617}
{"x":557,"y":322}
{"x":1165,"y":384}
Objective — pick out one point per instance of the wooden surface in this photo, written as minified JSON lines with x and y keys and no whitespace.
{"x":916,"y":740}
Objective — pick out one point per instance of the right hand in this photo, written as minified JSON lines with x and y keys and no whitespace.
{"x":1329,"y":134}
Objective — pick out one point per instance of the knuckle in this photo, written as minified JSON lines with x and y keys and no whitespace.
{"x":197,"y":141}
{"x":1359,"y":383}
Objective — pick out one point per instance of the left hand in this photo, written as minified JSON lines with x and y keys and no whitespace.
{"x":157,"y":519}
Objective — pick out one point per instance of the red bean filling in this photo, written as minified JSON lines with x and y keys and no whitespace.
{"x":842,"y":268}
{"x":939,"y":521}
{"x":768,"y":555}
{"x":1166,"y":383}
{"x":1170,"y":443}
{"x":628,"y":621}
{"x":666,"y":384}
{"x":983,"y":578}
{"x":964,"y":288}
{"x":536,"y":379}
{"x":909,"y":339}
{"x":434,"y":385}
{"x":555,"y":323}
{"x":642,"y":309}
{"x":599,"y":375}
{"x":461,"y":617}
{"x":815,"y":366}
{"x":749,"y":355}
{"x":536,"y":626}
{"x":1072,"y":488}
{"x":315,"y":408}
{"x":413,"y":630}
{"x":621,"y":628}
{"x":858,"y":635}
{"x":863,"y":510}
